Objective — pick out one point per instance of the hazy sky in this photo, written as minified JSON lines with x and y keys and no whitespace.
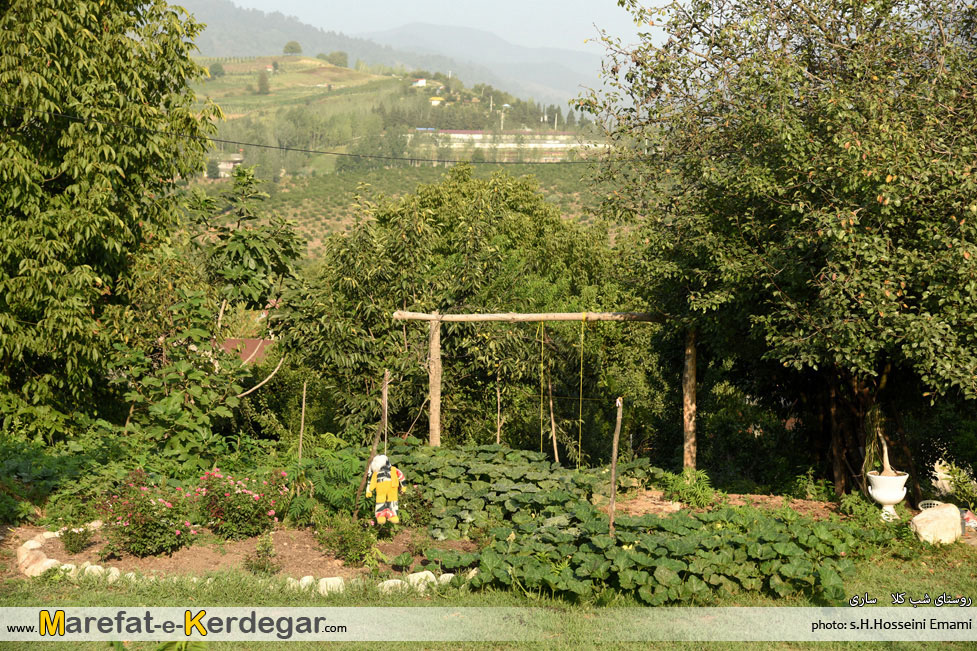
{"x":549,"y":23}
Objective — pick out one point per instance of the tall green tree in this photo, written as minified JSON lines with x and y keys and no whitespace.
{"x":807,"y":172}
{"x":98,"y":126}
{"x":292,"y":47}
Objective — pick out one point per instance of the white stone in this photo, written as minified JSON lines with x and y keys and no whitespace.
{"x":27,"y":557}
{"x":50,"y":534}
{"x":130,"y":576}
{"x":938,"y":525}
{"x":70,"y":569}
{"x":114,"y":574}
{"x":472,"y":573}
{"x":40,"y":567}
{"x":393,"y":585}
{"x":420,"y":580}
{"x":292,"y":584}
{"x":334,"y":584}
{"x":445,"y":579}
{"x":307,"y":582}
{"x":32,"y":544}
{"x":39,"y":539}
{"x":94,"y":570}
{"x":84,"y":566}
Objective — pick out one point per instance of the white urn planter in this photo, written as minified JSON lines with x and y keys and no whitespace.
{"x":887,"y":491}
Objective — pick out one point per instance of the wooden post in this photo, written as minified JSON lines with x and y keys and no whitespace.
{"x":373,"y":453}
{"x":556,"y":452}
{"x":302,"y":425}
{"x":383,"y":403}
{"x":434,"y":378}
{"x":688,"y":401}
{"x":617,"y":437}
{"x":498,"y":408}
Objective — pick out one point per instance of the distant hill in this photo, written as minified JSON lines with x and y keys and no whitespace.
{"x":545,"y":72}
{"x":546,"y":75}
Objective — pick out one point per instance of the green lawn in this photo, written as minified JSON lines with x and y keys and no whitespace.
{"x":952,"y":570}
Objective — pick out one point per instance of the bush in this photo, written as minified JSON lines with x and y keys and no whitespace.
{"x":145,"y":519}
{"x":691,"y":487}
{"x":354,"y":541}
{"x":76,"y":539}
{"x":241,"y":508}
{"x":263,"y":559}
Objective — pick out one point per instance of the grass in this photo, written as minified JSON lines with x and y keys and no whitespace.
{"x":934,"y":571}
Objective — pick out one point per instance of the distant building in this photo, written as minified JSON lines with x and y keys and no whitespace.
{"x":419,"y":83}
{"x":437,"y":101}
{"x":227,"y":165}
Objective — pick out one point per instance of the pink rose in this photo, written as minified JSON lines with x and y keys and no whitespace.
{"x":178,"y":532}
{"x":272,"y":512}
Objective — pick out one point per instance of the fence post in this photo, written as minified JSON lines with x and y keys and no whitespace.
{"x":434,"y":378}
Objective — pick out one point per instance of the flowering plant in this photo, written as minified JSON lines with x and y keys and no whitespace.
{"x":241,"y":507}
{"x":145,"y":519}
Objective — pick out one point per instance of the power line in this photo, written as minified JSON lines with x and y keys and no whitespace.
{"x":299,"y":150}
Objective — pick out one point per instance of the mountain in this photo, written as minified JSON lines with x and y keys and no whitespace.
{"x":545,"y":74}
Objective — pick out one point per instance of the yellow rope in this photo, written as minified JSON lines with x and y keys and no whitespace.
{"x":583,"y":324}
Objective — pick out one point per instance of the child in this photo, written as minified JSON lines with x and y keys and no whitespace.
{"x":386,"y":481}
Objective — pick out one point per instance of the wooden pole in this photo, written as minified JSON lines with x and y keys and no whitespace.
{"x":617,"y":437}
{"x":511,"y":317}
{"x":383,"y":402}
{"x":498,"y":409}
{"x":302,"y":425}
{"x":688,"y":401}
{"x":556,"y":452}
{"x":434,"y":378}
{"x":373,"y":453}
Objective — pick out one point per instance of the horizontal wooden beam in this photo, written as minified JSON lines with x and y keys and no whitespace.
{"x":512,"y":317}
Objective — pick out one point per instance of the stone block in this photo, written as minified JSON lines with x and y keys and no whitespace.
{"x":113,"y":575}
{"x":445,"y":578}
{"x":938,"y":525}
{"x":334,"y":584}
{"x":420,"y":580}
{"x":40,"y":567}
{"x":27,"y":557}
{"x":94,"y":570}
{"x":306,"y":582}
{"x":393,"y":585}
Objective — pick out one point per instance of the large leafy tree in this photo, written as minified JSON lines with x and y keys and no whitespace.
{"x":805,"y":173}
{"x":97,"y":127}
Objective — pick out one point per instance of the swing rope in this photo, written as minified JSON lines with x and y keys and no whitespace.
{"x":583,"y":325}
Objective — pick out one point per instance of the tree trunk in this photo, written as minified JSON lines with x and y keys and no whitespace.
{"x":617,"y":437}
{"x":688,"y":401}
{"x":837,"y":447}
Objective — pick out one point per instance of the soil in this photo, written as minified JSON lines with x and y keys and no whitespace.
{"x":296,"y":551}
{"x":653,"y":501}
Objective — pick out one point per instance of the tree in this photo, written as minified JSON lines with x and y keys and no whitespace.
{"x":806,"y":173}
{"x":216,"y":69}
{"x":98,"y":126}
{"x":263,"y":87}
{"x":338,"y":58}
{"x":213,"y":169}
{"x":292,"y":48}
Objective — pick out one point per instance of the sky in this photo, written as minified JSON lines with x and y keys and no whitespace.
{"x":533,"y":23}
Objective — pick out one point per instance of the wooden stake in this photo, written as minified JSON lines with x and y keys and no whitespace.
{"x":498,"y":409}
{"x":383,"y":402}
{"x":688,"y":401}
{"x":556,"y":452}
{"x":617,"y":437}
{"x":302,"y":425}
{"x":434,"y":378}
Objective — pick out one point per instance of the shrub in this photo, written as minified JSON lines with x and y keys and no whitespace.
{"x":76,"y":539}
{"x":354,"y":541}
{"x":263,"y":559}
{"x":145,"y":519}
{"x":241,"y":508}
{"x":691,"y":487}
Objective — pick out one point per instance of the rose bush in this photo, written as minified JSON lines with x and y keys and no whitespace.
{"x":242,"y":507}
{"x":145,"y":519}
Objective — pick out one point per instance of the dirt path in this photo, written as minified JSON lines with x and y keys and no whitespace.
{"x":653,"y":501}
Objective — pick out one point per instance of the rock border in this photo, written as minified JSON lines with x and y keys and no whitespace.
{"x":31,"y":561}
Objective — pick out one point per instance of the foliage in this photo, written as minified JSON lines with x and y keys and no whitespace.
{"x":337,"y":58}
{"x":262,"y":561}
{"x":181,"y":386}
{"x":264,"y":88}
{"x":146,"y":519}
{"x":353,"y":541}
{"x":292,"y":47}
{"x":85,"y":182}
{"x":805,"y":182}
{"x":806,"y":487}
{"x":248,"y":257}
{"x":76,"y":539}
{"x":962,"y":486}
{"x":216,"y":70}
{"x":690,"y":487}
{"x":243,"y":507}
